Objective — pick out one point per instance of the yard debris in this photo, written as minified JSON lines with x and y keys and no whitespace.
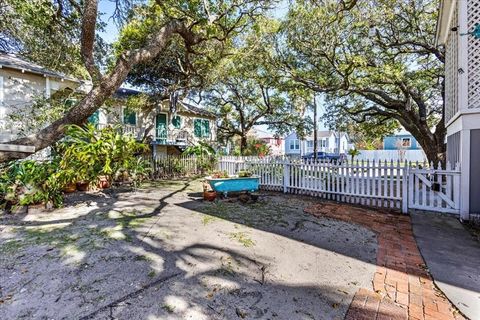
{"x":263,"y":270}
{"x":240,"y":313}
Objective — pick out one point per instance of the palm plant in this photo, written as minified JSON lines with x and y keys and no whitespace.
{"x":202,"y":149}
{"x":353,"y":153}
{"x":205,"y":154}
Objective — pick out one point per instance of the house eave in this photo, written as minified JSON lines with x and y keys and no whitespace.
{"x":44,"y":74}
{"x":446,"y":10}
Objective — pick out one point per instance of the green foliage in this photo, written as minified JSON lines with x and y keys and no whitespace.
{"x":85,"y":154}
{"x":179,"y":68}
{"x":376,"y":63}
{"x":201,"y":149}
{"x":42,"y":111}
{"x":353,"y":153}
{"x":247,"y":89}
{"x":44,"y":31}
{"x":92,"y":152}
{"x":28,"y":182}
{"x":205,"y":153}
{"x":254,"y":147}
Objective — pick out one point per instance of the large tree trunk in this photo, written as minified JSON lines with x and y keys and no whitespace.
{"x":432,"y":143}
{"x":243,"y":144}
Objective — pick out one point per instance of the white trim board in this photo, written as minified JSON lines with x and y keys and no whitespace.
{"x":17,"y":148}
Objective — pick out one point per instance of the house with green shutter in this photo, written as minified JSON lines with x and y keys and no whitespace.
{"x":21,"y":81}
{"x":173,"y":132}
{"x":168,"y":132}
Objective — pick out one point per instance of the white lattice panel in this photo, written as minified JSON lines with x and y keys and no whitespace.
{"x":473,"y":10}
{"x":451,"y":71}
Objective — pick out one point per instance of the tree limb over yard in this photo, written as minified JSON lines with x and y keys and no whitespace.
{"x":172,"y":20}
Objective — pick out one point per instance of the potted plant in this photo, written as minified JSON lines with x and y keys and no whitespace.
{"x":83,"y":179}
{"x":83,"y":185}
{"x":103,"y":182}
{"x":67,"y":178}
{"x":208,"y":194}
{"x":70,"y":187}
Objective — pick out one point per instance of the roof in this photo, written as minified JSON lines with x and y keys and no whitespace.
{"x":324,"y":133}
{"x":125,"y":93}
{"x":197,"y":110}
{"x":14,"y":61}
{"x":328,"y":133}
{"x":446,"y":11}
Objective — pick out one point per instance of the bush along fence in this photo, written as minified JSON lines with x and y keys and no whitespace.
{"x":388,"y":184}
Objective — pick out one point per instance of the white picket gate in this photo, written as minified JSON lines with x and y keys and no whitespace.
{"x":434,"y":189}
{"x":386,"y":184}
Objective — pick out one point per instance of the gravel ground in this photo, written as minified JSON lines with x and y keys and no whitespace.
{"x":162,"y":253}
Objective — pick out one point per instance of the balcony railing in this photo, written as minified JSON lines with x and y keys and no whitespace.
{"x":179,"y":138}
{"x":124,"y":129}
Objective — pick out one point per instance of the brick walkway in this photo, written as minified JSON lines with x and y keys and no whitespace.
{"x":403,"y":289}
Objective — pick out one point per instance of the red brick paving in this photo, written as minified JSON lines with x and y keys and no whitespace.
{"x":403,"y":289}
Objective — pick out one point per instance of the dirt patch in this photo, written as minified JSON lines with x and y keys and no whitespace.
{"x":160,"y":252}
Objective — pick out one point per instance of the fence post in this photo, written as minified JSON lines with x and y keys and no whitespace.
{"x":286,"y":176}
{"x":406,"y":174}
{"x":456,"y":187}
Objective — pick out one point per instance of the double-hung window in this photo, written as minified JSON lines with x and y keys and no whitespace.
{"x":294,"y":144}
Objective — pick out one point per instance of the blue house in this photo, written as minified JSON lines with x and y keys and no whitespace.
{"x":401,"y":141}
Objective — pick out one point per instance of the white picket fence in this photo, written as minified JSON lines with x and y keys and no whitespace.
{"x":385,"y":184}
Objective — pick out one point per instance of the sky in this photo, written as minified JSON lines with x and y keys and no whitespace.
{"x":107,"y":8}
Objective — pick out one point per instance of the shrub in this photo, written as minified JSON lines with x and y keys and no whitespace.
{"x":29,"y":182}
{"x":92,"y":152}
{"x":83,"y":155}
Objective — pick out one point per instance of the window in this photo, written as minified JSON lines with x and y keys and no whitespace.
{"x":294,"y":145}
{"x":129,"y":117}
{"x":177,"y":122}
{"x":406,"y":142}
{"x":201,"y":128}
{"x":309,"y":144}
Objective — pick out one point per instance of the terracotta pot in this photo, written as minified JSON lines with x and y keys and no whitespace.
{"x":209,"y":195}
{"x":103,"y":182}
{"x":70,"y":187}
{"x":83,"y":185}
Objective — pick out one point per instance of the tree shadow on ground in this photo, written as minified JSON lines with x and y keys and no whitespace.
{"x":93,"y":275}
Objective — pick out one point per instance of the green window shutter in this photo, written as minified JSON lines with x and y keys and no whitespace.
{"x":177,"y":122}
{"x":94,"y":118}
{"x":197,"y":128}
{"x":129,"y":117}
{"x":206,"y":129}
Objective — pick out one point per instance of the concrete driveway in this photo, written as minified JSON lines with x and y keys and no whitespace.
{"x":161,"y":253}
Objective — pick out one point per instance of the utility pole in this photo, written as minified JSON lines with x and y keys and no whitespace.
{"x":315,"y":153}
